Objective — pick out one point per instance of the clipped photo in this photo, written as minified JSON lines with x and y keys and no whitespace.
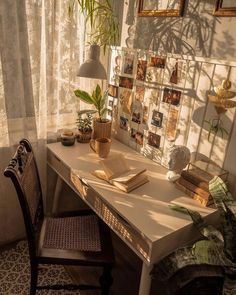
{"x":154,"y":139}
{"x":123,"y":123}
{"x":110,"y":103}
{"x":139,"y":138}
{"x":136,"y":111}
{"x":157,"y":118}
{"x":113,"y":90}
{"x":157,"y":62}
{"x":171,"y":96}
{"x":172,"y":124}
{"x":109,"y":113}
{"x":126,"y":82}
{"x":136,"y":136}
{"x":128,"y":64}
{"x":141,"y":70}
{"x":145,"y":114}
{"x":126,"y":101}
{"x":139,"y":93}
{"x":174,"y":74}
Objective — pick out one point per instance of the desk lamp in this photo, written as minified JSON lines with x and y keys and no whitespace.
{"x":92,"y":67}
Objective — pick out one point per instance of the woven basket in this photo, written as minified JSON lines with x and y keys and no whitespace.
{"x":84,"y":137}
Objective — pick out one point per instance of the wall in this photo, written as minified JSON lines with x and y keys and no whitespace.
{"x":197,"y":33}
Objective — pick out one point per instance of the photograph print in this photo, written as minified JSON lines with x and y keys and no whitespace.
{"x":172,"y":124}
{"x":126,"y":101}
{"x":136,"y":136}
{"x":157,"y":118}
{"x":145,"y":114}
{"x":174,"y":74}
{"x":154,"y":139}
{"x":139,"y":93}
{"x":136,"y":111}
{"x":124,"y":123}
{"x":141,"y":70}
{"x":171,"y":96}
{"x":128,"y":63}
{"x":157,"y":62}
{"x":126,"y":82}
{"x":113,"y":90}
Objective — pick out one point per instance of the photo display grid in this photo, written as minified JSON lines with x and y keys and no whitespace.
{"x":153,"y":97}
{"x":147,"y":111}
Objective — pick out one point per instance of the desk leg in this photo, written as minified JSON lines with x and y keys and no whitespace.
{"x":145,"y":281}
{"x":57,"y":194}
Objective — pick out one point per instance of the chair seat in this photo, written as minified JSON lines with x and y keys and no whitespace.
{"x":73,"y":233}
{"x":80,"y":239}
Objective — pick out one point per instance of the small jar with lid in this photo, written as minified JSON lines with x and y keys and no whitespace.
{"x":68,"y":137}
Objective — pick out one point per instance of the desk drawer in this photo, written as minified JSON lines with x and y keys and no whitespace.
{"x":140,"y":244}
{"x":57,"y":165}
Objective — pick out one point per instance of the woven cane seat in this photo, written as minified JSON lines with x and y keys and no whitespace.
{"x":73,"y":233}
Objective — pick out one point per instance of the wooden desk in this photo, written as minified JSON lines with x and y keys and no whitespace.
{"x":142,"y":218}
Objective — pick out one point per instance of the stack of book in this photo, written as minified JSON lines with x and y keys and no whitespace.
{"x":117,"y":172}
{"x":194,"y":185}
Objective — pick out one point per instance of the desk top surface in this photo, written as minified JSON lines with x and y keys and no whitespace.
{"x":147,"y":207}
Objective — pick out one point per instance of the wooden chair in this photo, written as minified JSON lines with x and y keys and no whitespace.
{"x":77,"y":240}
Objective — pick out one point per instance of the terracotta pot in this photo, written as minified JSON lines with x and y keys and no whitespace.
{"x":84,"y":137}
{"x":101,"y":129}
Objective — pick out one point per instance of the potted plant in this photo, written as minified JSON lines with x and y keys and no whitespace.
{"x":101,"y":125}
{"x":103,"y":22}
{"x":84,"y":124}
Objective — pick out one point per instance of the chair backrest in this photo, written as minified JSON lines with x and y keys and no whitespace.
{"x":23,"y":172}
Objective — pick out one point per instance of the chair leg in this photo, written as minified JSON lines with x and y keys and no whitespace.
{"x":106,"y":280}
{"x":33,"y":278}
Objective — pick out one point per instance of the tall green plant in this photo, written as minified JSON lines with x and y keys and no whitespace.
{"x":102,"y":20}
{"x":97,"y":99}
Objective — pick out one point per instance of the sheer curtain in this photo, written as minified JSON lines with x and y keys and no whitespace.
{"x":41,"y":48}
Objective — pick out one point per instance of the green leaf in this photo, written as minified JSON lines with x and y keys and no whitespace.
{"x":98,"y":91}
{"x":87,"y":112}
{"x":104,"y":111}
{"x":84,"y":96}
{"x":178,"y":208}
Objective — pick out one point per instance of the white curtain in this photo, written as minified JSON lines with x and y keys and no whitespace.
{"x":40,"y":52}
{"x":41,"y":49}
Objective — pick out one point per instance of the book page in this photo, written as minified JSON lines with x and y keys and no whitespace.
{"x":100,"y":174}
{"x":114,"y":166}
{"x":133,"y":184}
{"x":128,"y":176}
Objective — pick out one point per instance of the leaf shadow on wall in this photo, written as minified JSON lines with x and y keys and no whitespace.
{"x":191,"y":34}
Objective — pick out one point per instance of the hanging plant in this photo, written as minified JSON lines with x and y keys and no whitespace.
{"x":102,"y":20}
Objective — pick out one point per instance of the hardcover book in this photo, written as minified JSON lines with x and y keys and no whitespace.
{"x":192,"y":176}
{"x":196,"y":189}
{"x":203,"y":201}
{"x":117,"y":172}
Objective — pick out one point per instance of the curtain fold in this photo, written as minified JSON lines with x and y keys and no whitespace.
{"x":41,"y":49}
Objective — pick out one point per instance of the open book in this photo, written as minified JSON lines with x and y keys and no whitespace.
{"x":117,"y":172}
